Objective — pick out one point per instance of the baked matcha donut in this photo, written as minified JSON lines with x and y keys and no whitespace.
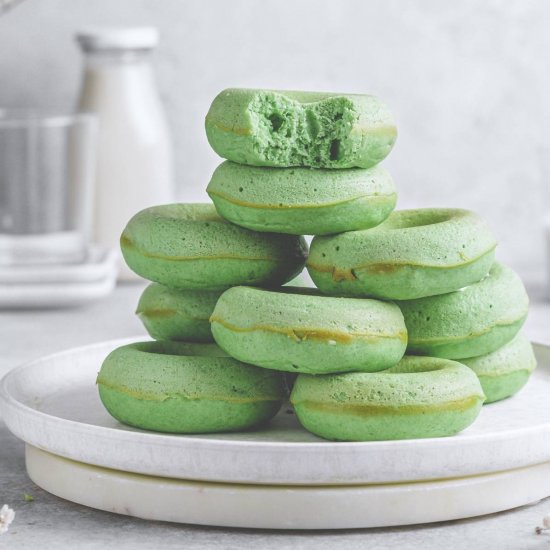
{"x":281,"y":128}
{"x":189,"y":246}
{"x":472,"y":321}
{"x":505,"y":371}
{"x":414,"y":253}
{"x":186,"y":388}
{"x":419,"y":397}
{"x":299,"y":330}
{"x":301,"y":201}
{"x":175,"y":314}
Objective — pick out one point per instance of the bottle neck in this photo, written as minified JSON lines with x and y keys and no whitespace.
{"x":116,"y":56}
{"x":116,"y":81}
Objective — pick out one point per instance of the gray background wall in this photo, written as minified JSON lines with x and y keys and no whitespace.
{"x":468,"y":82}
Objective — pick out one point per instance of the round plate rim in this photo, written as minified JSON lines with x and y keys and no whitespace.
{"x":310,"y":507}
{"x":212,"y":444}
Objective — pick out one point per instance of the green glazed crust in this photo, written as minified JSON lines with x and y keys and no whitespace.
{"x":417,"y":398}
{"x":186,"y":388}
{"x":189,"y":246}
{"x":301,"y":201}
{"x":175,"y":314}
{"x":504,"y":372}
{"x":414,"y":253}
{"x":472,"y":321}
{"x":283,"y":128}
{"x":299,"y":330}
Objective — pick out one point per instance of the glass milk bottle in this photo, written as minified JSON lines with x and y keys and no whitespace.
{"x":134,"y":166}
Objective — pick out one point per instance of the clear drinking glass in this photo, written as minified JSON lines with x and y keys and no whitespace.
{"x":47,"y":166}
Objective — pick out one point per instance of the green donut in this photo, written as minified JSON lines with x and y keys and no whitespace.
{"x":419,"y":397}
{"x":298,"y":330}
{"x":175,"y":314}
{"x":189,"y":246}
{"x":472,"y":321}
{"x":301,"y":201}
{"x":504,"y":372}
{"x":414,"y":253}
{"x":280,"y":128}
{"x":186,"y":388}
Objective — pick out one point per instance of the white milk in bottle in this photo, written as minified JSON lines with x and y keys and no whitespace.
{"x":134,"y":166}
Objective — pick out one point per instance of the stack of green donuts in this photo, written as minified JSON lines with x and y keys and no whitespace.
{"x":184,"y":383}
{"x":422,"y":282}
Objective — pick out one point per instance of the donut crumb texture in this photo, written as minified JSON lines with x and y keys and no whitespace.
{"x":312,"y":134}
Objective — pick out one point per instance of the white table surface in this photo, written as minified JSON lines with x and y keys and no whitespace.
{"x":49,"y":522}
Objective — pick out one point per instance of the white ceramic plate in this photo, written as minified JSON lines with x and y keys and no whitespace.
{"x":100,"y":263}
{"x":57,"y":285}
{"x":53,"y":404}
{"x":286,"y":507}
{"x":52,"y":295}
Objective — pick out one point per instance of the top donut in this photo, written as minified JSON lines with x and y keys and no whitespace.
{"x":284,"y":129}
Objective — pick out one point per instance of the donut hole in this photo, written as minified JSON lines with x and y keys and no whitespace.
{"x":180,"y":349}
{"x":408,"y":219}
{"x":300,"y":290}
{"x":416,"y":367}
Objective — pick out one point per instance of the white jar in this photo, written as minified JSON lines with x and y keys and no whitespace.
{"x":134,"y":156}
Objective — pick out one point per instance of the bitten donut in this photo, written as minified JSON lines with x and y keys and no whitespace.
{"x":419,"y":397}
{"x":505,"y":371}
{"x":414,"y":253}
{"x":280,"y":128}
{"x":186,"y":388}
{"x":189,"y":246}
{"x":472,"y":321}
{"x":301,"y":201}
{"x":174,"y":314}
{"x":297,"y":330}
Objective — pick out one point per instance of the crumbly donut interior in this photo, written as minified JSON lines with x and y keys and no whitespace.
{"x":294,"y":133}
